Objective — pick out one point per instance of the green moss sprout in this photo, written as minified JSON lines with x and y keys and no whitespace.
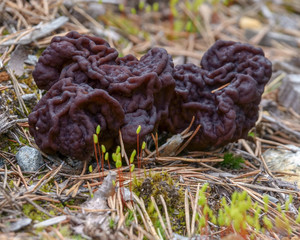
{"x":232,"y":161}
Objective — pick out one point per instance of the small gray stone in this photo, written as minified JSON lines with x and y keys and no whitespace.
{"x":29,"y":159}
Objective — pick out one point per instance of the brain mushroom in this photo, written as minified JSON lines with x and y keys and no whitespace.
{"x":120,"y":93}
{"x":65,"y":118}
{"x":87,"y":84}
{"x":223,"y":94}
{"x":72,"y":48}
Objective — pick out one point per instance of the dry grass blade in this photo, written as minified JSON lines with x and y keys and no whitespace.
{"x":18,"y":90}
{"x":123,"y":152}
{"x":194,"y":207}
{"x":76,"y":186}
{"x":148,"y":221}
{"x":187,"y":213}
{"x":148,"y":235}
{"x":22,"y":177}
{"x":185,"y":159}
{"x":160,"y":218}
{"x":3,"y":88}
{"x":143,"y":218}
{"x":90,"y":210}
{"x":48,"y":177}
{"x":169,"y":227}
{"x":5,"y":177}
{"x":119,"y":202}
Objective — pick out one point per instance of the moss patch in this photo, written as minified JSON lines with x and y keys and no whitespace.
{"x":156,"y":184}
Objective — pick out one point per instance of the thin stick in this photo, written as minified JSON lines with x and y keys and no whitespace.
{"x":22,"y":177}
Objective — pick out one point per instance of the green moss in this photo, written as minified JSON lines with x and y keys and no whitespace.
{"x":31,"y":212}
{"x":129,"y":219}
{"x":232,"y":161}
{"x":112,"y":224}
{"x":240,"y":213}
{"x":7,"y":145}
{"x":156,"y":184}
{"x":11,"y":146}
{"x":11,"y":184}
{"x":47,"y":187}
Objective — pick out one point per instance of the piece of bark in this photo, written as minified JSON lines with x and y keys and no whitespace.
{"x":289,"y":93}
{"x":40,"y":31}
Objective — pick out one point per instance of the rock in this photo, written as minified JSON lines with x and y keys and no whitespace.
{"x":30,"y":99}
{"x":29,"y":159}
{"x":289,"y":93}
{"x":284,"y":160}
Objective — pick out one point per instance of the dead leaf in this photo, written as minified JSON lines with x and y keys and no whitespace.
{"x":172,"y":144}
{"x":4,"y":76}
{"x":250,"y":23}
{"x":16,"y":62}
{"x":95,"y":224}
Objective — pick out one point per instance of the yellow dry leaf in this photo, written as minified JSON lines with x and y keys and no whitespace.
{"x":250,"y":23}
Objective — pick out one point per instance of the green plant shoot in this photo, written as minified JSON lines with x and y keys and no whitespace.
{"x":98,"y":130}
{"x":95,"y":137}
{"x":132,"y":156}
{"x":138,"y":130}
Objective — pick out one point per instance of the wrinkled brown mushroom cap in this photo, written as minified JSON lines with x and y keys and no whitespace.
{"x":227,"y":114}
{"x":66,"y":117}
{"x":88,"y":85}
{"x":126,"y":93}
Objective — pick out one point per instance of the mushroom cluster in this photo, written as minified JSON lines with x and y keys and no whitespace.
{"x":88,"y":85}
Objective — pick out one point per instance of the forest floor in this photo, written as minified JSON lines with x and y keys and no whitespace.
{"x":228,"y":193}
